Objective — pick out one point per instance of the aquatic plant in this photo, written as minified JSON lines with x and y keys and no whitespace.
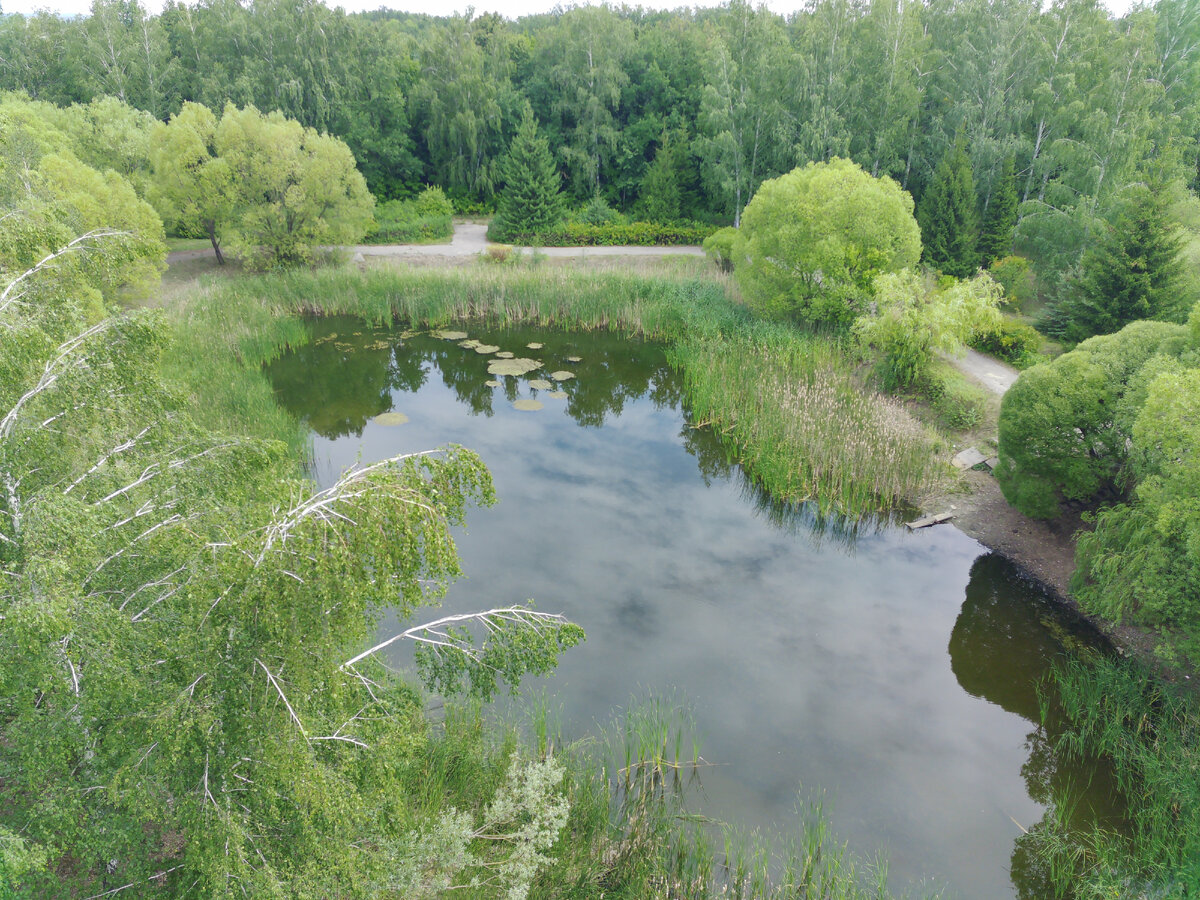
{"x":787,"y":403}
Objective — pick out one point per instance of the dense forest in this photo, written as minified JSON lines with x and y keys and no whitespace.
{"x":684,"y":113}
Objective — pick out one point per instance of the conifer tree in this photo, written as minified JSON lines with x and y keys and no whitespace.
{"x":530,"y":201}
{"x":661,"y":196}
{"x":1130,"y":272}
{"x":995,"y":237}
{"x":949,"y":224}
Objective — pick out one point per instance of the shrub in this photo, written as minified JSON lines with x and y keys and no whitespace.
{"x":637,"y":234}
{"x":1015,"y":275}
{"x":426,"y":218}
{"x":1065,"y":426}
{"x":597,"y":212}
{"x":957,"y":403}
{"x":1010,"y":340}
{"x":718,"y":246}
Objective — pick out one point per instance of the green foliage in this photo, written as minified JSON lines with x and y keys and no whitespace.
{"x":636,"y":234}
{"x":297,"y":190}
{"x":530,"y":201}
{"x":996,"y":232}
{"x":426,"y":218}
{"x":913,"y":319}
{"x":1064,"y":425}
{"x":718,"y":247}
{"x":1131,"y":271}
{"x":272,"y":190}
{"x":266,"y":749}
{"x":1141,"y":563}
{"x":812,"y":241}
{"x":1015,"y":275}
{"x":596,"y":212}
{"x":1149,"y":729}
{"x":1010,"y":340}
{"x":959,"y":404}
{"x":17,"y":861}
{"x":660,"y":198}
{"x":949,"y":222}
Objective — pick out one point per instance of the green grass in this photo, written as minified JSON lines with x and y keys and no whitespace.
{"x":1151,"y":731}
{"x":784,"y":401}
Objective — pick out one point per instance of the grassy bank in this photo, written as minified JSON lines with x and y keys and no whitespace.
{"x":783,"y":401}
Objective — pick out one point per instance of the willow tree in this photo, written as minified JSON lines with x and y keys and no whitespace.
{"x":189,"y":698}
{"x":813,"y":240}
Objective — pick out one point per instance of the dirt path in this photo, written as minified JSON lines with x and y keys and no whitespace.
{"x":994,"y":375}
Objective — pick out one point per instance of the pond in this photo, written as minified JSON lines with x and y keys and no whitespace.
{"x":891,"y":674}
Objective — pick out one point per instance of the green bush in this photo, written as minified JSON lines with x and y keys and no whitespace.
{"x":425,"y":219}
{"x":718,"y":246}
{"x":1065,"y":426}
{"x":597,"y":212}
{"x":636,"y":234}
{"x":1010,"y":340}
{"x":957,"y":403}
{"x":1015,"y":275}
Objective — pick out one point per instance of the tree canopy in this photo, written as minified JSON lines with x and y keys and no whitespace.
{"x":812,"y":241}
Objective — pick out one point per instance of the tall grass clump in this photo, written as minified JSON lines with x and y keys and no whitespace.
{"x":799,"y":421}
{"x":1151,"y":732}
{"x":629,"y":833}
{"x":788,"y":403}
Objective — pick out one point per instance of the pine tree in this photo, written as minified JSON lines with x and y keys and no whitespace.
{"x":1130,"y":272}
{"x":947,"y":216}
{"x":530,"y":201}
{"x":995,"y":237}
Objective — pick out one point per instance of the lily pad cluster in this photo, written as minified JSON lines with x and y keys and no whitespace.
{"x":506,"y":363}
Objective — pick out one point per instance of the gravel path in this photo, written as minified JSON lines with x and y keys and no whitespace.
{"x":994,"y":375}
{"x":470,"y":239}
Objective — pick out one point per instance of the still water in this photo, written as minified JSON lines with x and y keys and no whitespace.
{"x":891,"y":674}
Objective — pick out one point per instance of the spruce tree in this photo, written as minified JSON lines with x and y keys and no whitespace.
{"x":530,"y":201}
{"x":995,"y":237}
{"x":949,"y":227}
{"x":1130,"y":272}
{"x":660,"y":196}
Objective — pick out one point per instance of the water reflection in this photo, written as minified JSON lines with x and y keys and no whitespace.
{"x":806,"y":667}
{"x":1001,"y":649}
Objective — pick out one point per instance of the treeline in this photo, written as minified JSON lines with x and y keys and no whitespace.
{"x":708,"y":103}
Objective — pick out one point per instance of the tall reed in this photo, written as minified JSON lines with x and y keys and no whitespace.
{"x":787,"y":403}
{"x":1151,"y":731}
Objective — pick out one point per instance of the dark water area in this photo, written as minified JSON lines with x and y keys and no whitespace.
{"x":891,"y":674}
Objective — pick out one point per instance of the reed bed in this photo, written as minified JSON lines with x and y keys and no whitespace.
{"x":801,"y":424}
{"x":1151,"y":731}
{"x":788,"y":404}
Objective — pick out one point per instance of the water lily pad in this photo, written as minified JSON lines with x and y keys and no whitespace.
{"x":469,"y":345}
{"x":574,"y":359}
{"x":379,"y":345}
{"x":562,"y":375}
{"x":535,"y":345}
{"x":505,"y":354}
{"x":518,"y":366}
{"x":390,"y":418}
{"x":332,"y":336}
{"x":557,"y":395}
{"x":486,"y":348}
{"x":541,"y":384}
{"x":406,"y":334}
{"x":492,"y":383}
{"x":450,"y":335}
{"x":526,"y":404}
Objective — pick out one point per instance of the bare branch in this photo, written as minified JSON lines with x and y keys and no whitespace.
{"x":432,"y":632}
{"x":283,"y":697}
{"x":81,"y":243}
